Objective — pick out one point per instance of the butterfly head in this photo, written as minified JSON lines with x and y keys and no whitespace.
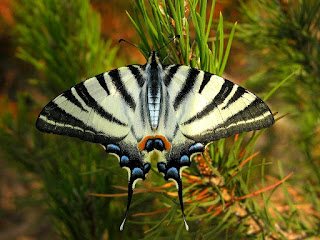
{"x":153,"y":59}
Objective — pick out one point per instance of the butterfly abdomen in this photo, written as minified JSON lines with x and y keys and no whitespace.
{"x":154,"y":90}
{"x":153,"y":101}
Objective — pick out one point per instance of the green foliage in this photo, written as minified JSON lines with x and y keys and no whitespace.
{"x":286,"y":34}
{"x":171,"y":19}
{"x":62,"y":40}
{"x":225,"y":157}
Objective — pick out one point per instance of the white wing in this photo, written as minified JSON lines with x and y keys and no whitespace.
{"x":105,"y":109}
{"x":208,"y":107}
{"x":100,"y":109}
{"x":199,"y":108}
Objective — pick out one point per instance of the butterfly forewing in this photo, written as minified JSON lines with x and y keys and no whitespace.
{"x":100,"y":109}
{"x":212,"y":107}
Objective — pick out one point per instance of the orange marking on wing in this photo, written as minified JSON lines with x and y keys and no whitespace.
{"x":143,"y":142}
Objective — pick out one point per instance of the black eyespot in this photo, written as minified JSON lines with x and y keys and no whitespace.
{"x":112,"y":148}
{"x":185,"y":161}
{"x":196,"y":148}
{"x":172,"y":173}
{"x":137,"y":173}
{"x":146,"y":168}
{"x":124,"y":161}
{"x":158,"y":144}
{"x":161,"y":167}
{"x":149,"y":145}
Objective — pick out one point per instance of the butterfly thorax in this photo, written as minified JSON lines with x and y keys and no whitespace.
{"x":154,"y":89}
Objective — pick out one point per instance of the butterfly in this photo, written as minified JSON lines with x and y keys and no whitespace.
{"x":137,"y":111}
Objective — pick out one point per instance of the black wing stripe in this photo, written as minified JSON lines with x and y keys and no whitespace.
{"x":238,"y":94}
{"x":116,"y":79}
{"x":238,"y":116}
{"x":137,"y":74}
{"x":205,"y":80}
{"x":102,"y":82}
{"x":172,"y":71}
{"x":187,"y":87}
{"x":142,"y":110}
{"x":217,"y":100}
{"x":235,"y":97}
{"x":70,"y":126}
{"x":241,"y":126}
{"x":166,"y":112}
{"x":260,"y":108}
{"x":62,"y":117}
{"x":70,"y":97}
{"x":224,"y":92}
{"x":91,"y":102}
{"x":175,"y":130}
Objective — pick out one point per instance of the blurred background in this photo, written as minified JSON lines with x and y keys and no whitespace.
{"x":48,"y":46}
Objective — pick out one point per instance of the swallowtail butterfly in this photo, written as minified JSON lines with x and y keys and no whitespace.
{"x":136,"y":111}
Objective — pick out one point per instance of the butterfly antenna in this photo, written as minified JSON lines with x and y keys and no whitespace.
{"x":179,"y":183}
{"x":177,"y":36}
{"x":123,"y":40}
{"x":130,"y":193}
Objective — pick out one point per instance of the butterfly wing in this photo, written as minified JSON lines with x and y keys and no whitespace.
{"x":202,"y":108}
{"x":208,"y":107}
{"x":103,"y":109}
{"x":100,"y":109}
